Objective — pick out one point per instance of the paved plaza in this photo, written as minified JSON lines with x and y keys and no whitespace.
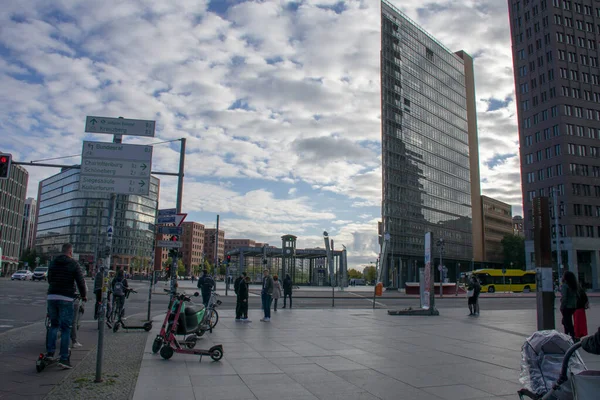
{"x":351,"y":354}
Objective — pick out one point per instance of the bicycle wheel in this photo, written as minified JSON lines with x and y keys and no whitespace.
{"x":213,"y":319}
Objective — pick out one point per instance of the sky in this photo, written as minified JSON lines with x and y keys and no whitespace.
{"x":279,"y":101}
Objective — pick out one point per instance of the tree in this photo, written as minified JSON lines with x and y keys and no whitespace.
{"x":370,"y":273}
{"x":513,"y":249}
{"x":29,"y":256}
{"x":180,"y":265}
{"x":222,"y":269}
{"x":354,"y":274}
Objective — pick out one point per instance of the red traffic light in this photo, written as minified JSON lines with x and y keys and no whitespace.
{"x":3,"y":159}
{"x":174,"y":238}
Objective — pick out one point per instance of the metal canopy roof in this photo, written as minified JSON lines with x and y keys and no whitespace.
{"x":277,"y":252}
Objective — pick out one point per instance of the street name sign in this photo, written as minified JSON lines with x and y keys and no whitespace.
{"x":170,"y":230}
{"x":115,"y":168}
{"x":167,"y":211}
{"x":120,"y":126}
{"x":176,"y":219}
{"x":169,"y":244}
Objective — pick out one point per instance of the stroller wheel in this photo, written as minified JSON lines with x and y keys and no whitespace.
{"x":148,"y":326}
{"x":166,"y":352}
{"x":157,"y":344}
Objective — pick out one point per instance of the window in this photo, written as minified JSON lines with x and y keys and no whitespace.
{"x":534,"y":101}
{"x":556,"y":130}
{"x":576,"y":93}
{"x":530,"y":49}
{"x":537,"y":137}
{"x":560,"y":37}
{"x":592,"y":133}
{"x":550,"y":75}
{"x":579,"y":24}
{"x":560,"y":189}
{"x":578,"y":112}
{"x":529,"y":158}
{"x":589,"y":113}
{"x":570,"y":39}
{"x":552,"y":92}
{"x":557,"y":19}
{"x":523,"y":70}
{"x":548,"y":151}
{"x":540,"y":155}
{"x":586,"y":77}
{"x":587,"y":95}
{"x":568,"y":22}
{"x":571,"y":149}
{"x":525,"y":105}
{"x":583,"y":59}
{"x":574,"y":75}
{"x":587,"y":210}
{"x":577,"y":209}
{"x":594,"y":151}
{"x":540,"y":61}
{"x":557,"y":149}
{"x":528,"y":140}
{"x":532,"y":66}
{"x":524,"y":87}
{"x":547,"y":134}
{"x":530,"y":177}
{"x":547,"y":39}
{"x":564,"y":73}
{"x":543,"y":96}
{"x":566,"y":91}
{"x":549,"y":173}
{"x":581,"y":150}
{"x":549,"y":56}
{"x":568,"y":110}
{"x":578,"y":8}
{"x":579,"y":130}
{"x":562,"y":55}
{"x":591,"y":43}
{"x":538,"y":44}
{"x":580,"y":41}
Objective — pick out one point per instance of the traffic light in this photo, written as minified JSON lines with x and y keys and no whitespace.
{"x":228,"y":259}
{"x":168,"y":271}
{"x":174,"y":238}
{"x":5,"y":161}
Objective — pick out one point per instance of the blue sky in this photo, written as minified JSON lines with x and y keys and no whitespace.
{"x":278,"y":100}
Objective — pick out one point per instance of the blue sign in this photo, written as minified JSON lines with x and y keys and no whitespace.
{"x":170,"y":230}
{"x":167,"y":219}
{"x":167,"y":211}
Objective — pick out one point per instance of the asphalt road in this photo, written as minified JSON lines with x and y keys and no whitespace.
{"x":24,"y":302}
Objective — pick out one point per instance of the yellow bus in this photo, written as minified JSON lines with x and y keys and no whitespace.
{"x":513,"y":280}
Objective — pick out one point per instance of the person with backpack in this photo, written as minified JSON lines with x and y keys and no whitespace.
{"x":568,"y":301}
{"x":205,"y":284}
{"x":236,"y":289}
{"x":243,"y":297}
{"x":287,"y":289}
{"x":119,"y":288}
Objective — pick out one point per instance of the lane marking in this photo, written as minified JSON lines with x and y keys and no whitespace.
{"x":368,"y":299}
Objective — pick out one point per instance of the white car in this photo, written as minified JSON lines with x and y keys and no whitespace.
{"x":22,"y":275}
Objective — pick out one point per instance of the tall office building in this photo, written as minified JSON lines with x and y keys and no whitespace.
{"x":557,"y":82}
{"x":66,"y":214}
{"x":28,"y":230}
{"x":497,"y":223}
{"x":12,"y":200}
{"x":210,"y":243}
{"x":193,"y":245}
{"x":429,"y":150}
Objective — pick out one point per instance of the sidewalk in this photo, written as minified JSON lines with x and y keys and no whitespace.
{"x":351,"y":354}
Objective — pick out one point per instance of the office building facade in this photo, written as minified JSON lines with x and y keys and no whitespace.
{"x":429,"y":150}
{"x":210,"y":244}
{"x":28,"y":230}
{"x":66,"y":214}
{"x":518,"y":228}
{"x":557,"y":82}
{"x":193,"y":246}
{"x":497,"y":223}
{"x":12,"y":202}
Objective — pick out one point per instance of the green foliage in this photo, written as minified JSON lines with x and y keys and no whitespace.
{"x":354,"y":274}
{"x":30,"y":255}
{"x":370,"y":273}
{"x":513,"y":249}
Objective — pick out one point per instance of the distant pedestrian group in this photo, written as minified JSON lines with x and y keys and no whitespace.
{"x":272,"y":289}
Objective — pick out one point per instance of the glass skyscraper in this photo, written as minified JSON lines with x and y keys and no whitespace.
{"x":66,"y":214}
{"x":429,"y":142}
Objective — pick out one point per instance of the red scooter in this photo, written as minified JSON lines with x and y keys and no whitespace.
{"x":183,"y":323}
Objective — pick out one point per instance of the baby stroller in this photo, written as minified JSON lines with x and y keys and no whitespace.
{"x":549,"y":361}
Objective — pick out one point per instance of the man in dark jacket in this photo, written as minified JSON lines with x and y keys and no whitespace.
{"x":236,"y":289}
{"x":287,"y":289}
{"x":243,"y":298}
{"x":205,"y":284}
{"x":63,"y":274}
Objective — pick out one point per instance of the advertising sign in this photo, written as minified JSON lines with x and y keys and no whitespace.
{"x":426,"y":303}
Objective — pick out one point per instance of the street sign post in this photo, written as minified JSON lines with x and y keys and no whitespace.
{"x":167,"y":211}
{"x":120,"y":126}
{"x":115,"y":168}
{"x":176,"y":219}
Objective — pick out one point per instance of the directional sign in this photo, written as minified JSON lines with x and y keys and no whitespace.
{"x":169,"y":244}
{"x":109,"y":230}
{"x":120,"y":126}
{"x":115,"y":168}
{"x":167,"y":211}
{"x":170,"y":230}
{"x":176,"y":219}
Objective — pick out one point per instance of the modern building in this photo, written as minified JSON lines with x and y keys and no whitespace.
{"x":518,"y":225}
{"x":210,"y":244}
{"x":557,"y":75}
{"x":497,"y":223}
{"x":66,"y":214}
{"x":193,"y":246}
{"x":28,"y":230}
{"x":231,"y":244}
{"x":12,"y":201}
{"x":429,"y":150}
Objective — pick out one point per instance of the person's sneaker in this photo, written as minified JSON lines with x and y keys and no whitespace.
{"x":267,"y":320}
{"x":49,"y":355}
{"x":238,"y":319}
{"x":76,"y":344}
{"x":65,"y":364}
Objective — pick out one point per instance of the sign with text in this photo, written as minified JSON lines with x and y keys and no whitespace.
{"x":169,"y":244}
{"x":120,"y":126}
{"x":115,"y":168}
{"x":170,"y":230}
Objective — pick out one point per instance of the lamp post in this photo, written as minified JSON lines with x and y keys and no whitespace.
{"x":440,"y":244}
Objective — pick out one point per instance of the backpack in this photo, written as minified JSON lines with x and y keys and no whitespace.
{"x":118,"y":289}
{"x":582,"y":299}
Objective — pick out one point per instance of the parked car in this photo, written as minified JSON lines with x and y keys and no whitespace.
{"x":22,"y":275}
{"x":40,"y":274}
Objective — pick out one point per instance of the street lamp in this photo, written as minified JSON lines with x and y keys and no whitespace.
{"x":440,"y":244}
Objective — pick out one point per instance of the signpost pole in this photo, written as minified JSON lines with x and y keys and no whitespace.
{"x":180,"y":175}
{"x":109,"y":235}
{"x":216,"y":248}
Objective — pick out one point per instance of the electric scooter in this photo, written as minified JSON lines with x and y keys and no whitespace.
{"x":120,"y":322}
{"x":183,"y":323}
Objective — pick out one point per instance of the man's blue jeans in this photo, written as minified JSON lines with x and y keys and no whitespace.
{"x":266,"y":304}
{"x":61,"y":317}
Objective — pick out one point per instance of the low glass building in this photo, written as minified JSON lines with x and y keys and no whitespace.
{"x":66,"y":214}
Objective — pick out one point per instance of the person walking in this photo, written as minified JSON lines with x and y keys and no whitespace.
{"x":579,"y":317}
{"x":265,"y":294}
{"x":205,"y":284}
{"x":243,"y":296}
{"x":287,"y":289}
{"x":476,"y":291}
{"x":236,"y":289}
{"x":63,"y":275}
{"x":276,"y":291}
{"x":471,"y":296}
{"x":568,"y":301}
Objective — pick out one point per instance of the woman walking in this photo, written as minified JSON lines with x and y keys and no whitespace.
{"x":276,"y":291}
{"x":579,"y":317}
{"x":568,"y":301}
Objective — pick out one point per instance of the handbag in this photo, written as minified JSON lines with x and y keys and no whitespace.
{"x":470,"y":293}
